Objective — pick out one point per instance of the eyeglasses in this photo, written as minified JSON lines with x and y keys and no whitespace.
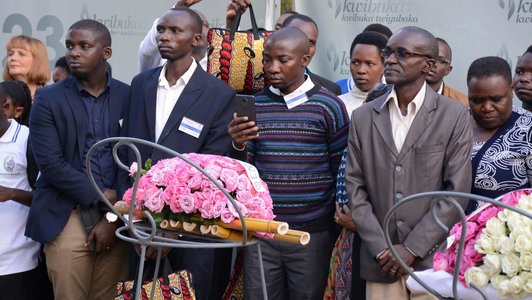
{"x":400,"y":53}
{"x":443,"y":61}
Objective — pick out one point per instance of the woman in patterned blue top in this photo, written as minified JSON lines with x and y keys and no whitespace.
{"x":502,"y":148}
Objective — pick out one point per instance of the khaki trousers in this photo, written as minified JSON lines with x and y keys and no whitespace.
{"x":397,"y":291}
{"x":78,"y":273}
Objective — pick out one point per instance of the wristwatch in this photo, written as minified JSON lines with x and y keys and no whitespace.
{"x":110,"y":217}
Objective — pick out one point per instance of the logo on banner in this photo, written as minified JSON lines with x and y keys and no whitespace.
{"x":522,"y":11}
{"x":505,"y":54}
{"x":339,"y":60}
{"x":375,"y":11}
{"x":119,"y":25}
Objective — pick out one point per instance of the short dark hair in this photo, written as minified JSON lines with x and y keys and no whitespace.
{"x":62,"y":63}
{"x":377,"y":27}
{"x":528,"y":50}
{"x":440,"y":40}
{"x":369,"y":38}
{"x":300,"y":17}
{"x":20,"y":95}
{"x":197,"y":23}
{"x":94,"y":26}
{"x":490,"y":66}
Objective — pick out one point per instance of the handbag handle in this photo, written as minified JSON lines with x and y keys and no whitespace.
{"x":236,"y":23}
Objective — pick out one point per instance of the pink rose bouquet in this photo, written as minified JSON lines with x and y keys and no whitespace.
{"x":498,"y":248}
{"x":173,"y":189}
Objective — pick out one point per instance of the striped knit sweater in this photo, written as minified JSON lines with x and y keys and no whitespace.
{"x":297,"y":153}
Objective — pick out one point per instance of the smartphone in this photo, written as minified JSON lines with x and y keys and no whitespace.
{"x":245,"y":106}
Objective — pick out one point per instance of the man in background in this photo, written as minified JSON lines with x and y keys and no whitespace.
{"x":441,"y":69}
{"x":523,"y":79}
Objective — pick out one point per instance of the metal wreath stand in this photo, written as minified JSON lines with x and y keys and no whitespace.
{"x":436,"y":198}
{"x":145,"y":235}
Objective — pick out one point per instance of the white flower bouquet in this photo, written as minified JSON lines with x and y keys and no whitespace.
{"x":497,"y":254}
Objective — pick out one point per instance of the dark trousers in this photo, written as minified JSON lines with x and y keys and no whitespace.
{"x":210,"y":269}
{"x":19,"y":286}
{"x":291,"y":271}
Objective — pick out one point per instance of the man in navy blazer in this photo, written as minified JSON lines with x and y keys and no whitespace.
{"x":67,"y":118}
{"x":183,"y":108}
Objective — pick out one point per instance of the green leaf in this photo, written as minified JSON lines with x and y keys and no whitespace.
{"x":159,"y":217}
{"x":147,"y":164}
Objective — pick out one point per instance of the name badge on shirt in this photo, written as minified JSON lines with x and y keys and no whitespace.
{"x":190,"y":127}
{"x":295,"y":100}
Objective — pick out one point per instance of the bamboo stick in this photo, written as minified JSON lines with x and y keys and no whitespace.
{"x":294,"y":237}
{"x":228,"y":234}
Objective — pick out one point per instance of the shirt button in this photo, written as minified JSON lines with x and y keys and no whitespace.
{"x":398,"y":168}
{"x":398,"y":196}
{"x":399,"y":223}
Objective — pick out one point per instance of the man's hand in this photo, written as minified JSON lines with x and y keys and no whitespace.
{"x":390,"y":267}
{"x":110,"y":195}
{"x":241,"y":130}
{"x":151,"y":251}
{"x":232,"y":8}
{"x":104,"y":235}
{"x":187,"y":3}
{"x":343,"y":218}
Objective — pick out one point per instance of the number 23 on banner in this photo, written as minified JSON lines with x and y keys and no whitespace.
{"x":53,"y":37}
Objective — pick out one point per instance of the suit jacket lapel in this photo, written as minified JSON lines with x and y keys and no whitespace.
{"x":190,"y":94}
{"x":78,"y":113}
{"x":421,"y":122}
{"x":383,"y":124}
{"x":150,"y":101}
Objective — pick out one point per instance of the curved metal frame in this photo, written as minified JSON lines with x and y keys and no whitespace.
{"x":448,"y":197}
{"x":147,"y":235}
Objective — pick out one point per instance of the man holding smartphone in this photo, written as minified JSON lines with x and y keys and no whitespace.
{"x":296,"y":145}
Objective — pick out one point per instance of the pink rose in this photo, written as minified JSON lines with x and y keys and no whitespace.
{"x":206,"y":209}
{"x":487,"y":214}
{"x":133,"y":169}
{"x":155,"y":201}
{"x":218,"y":208}
{"x":469,"y":251}
{"x":182,"y":174}
{"x":471,"y":230}
{"x":243,"y":183}
{"x":243,"y":209}
{"x":157,"y":177}
{"x":194,"y":183}
{"x":244,"y":197}
{"x":187,"y":203}
{"x":512,"y":198}
{"x":440,"y":262}
{"x":214,"y":171}
{"x":227,"y":216}
{"x":229,"y":177}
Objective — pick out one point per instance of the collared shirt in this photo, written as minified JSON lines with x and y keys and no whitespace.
{"x":401,"y":124}
{"x":167,"y":96}
{"x":440,"y":89}
{"x":97,"y":116}
{"x":301,"y":90}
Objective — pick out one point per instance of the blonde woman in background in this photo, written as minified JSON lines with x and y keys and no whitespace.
{"x":27,"y":61}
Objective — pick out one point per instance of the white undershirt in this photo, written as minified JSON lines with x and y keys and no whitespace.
{"x":401,"y":124}
{"x":167,"y":96}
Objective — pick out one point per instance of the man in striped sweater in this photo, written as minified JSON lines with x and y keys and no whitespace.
{"x":296,"y":145}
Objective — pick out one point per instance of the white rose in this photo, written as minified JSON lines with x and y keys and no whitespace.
{"x":510,"y":264}
{"x":476,"y":276}
{"x":495,"y":227}
{"x":503,"y":244}
{"x":517,"y":284}
{"x":516,"y":222}
{"x":502,"y":215}
{"x":527,"y":276}
{"x":523,"y":243}
{"x":492,"y":264}
{"x":484,"y":244}
{"x":525,"y":203}
{"x":502,"y":287}
{"x":525,"y":260}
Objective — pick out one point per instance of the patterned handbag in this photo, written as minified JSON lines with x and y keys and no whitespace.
{"x":177,"y":286}
{"x":236,"y":56}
